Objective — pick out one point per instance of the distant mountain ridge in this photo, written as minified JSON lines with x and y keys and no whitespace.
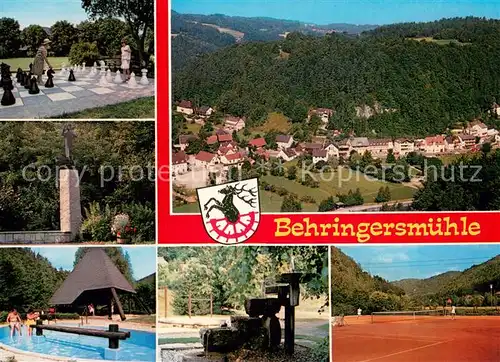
{"x":476,"y":279}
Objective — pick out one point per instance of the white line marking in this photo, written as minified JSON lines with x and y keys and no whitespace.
{"x":405,"y":351}
{"x":403,"y":338}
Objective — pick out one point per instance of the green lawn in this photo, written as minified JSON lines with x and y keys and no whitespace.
{"x":439,"y":41}
{"x":271,"y":202}
{"x":178,"y":340}
{"x":141,"y":108}
{"x":24,"y":63}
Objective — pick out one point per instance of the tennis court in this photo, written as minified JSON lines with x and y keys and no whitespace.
{"x":417,"y":338}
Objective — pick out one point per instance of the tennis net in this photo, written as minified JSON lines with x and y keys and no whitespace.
{"x":394,"y":316}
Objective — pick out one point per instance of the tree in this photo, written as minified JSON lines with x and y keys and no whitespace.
{"x":10,"y":38}
{"x":390,"y":157}
{"x":118,"y":256}
{"x":292,"y":173}
{"x":291,"y":204}
{"x":139,"y":16}
{"x":327,"y":205}
{"x":384,"y":195}
{"x":33,"y":36}
{"x":64,"y":35}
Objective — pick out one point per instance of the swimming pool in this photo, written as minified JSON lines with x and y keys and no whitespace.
{"x":141,"y":346}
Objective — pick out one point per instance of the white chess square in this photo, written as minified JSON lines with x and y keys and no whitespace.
{"x":80,"y":83}
{"x":72,"y":89}
{"x":101,"y":90}
{"x":25,"y":94}
{"x":55,"y":97}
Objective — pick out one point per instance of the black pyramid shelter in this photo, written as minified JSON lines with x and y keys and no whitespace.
{"x":95,"y":279}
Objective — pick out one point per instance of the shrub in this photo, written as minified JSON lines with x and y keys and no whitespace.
{"x":308,"y":199}
{"x":321,"y":351}
{"x":3,"y":316}
{"x":97,"y":223}
{"x":142,"y":218}
{"x":84,"y":53}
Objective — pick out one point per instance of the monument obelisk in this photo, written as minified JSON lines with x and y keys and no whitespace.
{"x":69,"y":189}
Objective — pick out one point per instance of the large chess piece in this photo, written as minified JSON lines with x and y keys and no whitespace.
{"x":118,"y":77}
{"x":31,"y":68}
{"x":103,"y":82}
{"x":18,"y":75}
{"x":109,"y":77}
{"x":71,"y":77}
{"x":34,"y":86}
{"x":22,"y":79}
{"x":50,"y":82}
{"x":27,"y":81}
{"x":132,"y":83}
{"x":144,"y":79}
{"x":8,"y":98}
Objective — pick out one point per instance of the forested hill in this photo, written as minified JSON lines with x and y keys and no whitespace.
{"x":432,"y":285}
{"x":194,"y":35}
{"x":421,"y":88}
{"x":474,"y":280}
{"x":27,"y":279}
{"x":352,"y":287}
{"x":465,"y":30}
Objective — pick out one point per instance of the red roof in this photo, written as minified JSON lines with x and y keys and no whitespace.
{"x":234,"y":156}
{"x":258,"y":142}
{"x":434,"y":139}
{"x":211,"y":140}
{"x":205,"y":156}
{"x":185,"y":104}
{"x":319,"y":153}
{"x":225,"y":137}
{"x":179,"y":157}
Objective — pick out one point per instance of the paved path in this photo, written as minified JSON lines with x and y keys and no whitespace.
{"x":70,"y":97}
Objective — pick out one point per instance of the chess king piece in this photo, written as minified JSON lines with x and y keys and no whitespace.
{"x":144,"y":79}
{"x":18,"y":74}
{"x":118,"y":77}
{"x":34,"y":86}
{"x":27,"y":81}
{"x":50,"y":81}
{"x":8,"y":98}
{"x":71,"y":77}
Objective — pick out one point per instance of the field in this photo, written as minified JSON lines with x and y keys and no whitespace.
{"x":439,"y":41}
{"x":275,"y":121}
{"x":24,"y":63}
{"x":271,"y":202}
{"x":432,"y":339}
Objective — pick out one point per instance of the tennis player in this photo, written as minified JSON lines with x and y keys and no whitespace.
{"x":359,"y":312}
{"x":453,"y":312}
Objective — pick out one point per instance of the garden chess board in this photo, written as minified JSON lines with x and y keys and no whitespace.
{"x":69,"y":97}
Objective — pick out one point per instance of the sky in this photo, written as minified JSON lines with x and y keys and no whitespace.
{"x":44,"y":13}
{"x":143,"y":259}
{"x":402,"y":262}
{"x":343,"y":11}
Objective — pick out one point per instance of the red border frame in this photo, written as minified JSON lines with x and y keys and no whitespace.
{"x":188,"y":229}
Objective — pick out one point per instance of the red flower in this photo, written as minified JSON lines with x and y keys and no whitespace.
{"x":135,"y":230}
{"x":118,"y":234}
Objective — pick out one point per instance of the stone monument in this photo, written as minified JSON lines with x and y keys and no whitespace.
{"x":69,"y":189}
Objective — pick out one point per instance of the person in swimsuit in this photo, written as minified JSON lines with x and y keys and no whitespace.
{"x":14,"y":320}
{"x":40,"y":60}
{"x":31,"y":318}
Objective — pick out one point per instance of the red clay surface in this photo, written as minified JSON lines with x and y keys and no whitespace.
{"x":426,"y":339}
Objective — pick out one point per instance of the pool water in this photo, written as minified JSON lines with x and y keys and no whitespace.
{"x":141,"y":346}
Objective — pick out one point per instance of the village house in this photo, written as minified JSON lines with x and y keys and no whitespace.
{"x":495,"y":109}
{"x":380,"y":147}
{"x":345,"y":148}
{"x":433,"y":144}
{"x":211,"y":140}
{"x":205,"y":159}
{"x":179,"y":163}
{"x":232,"y":123}
{"x":477,"y":128}
{"x":403,"y":146}
{"x":204,"y":111}
{"x":311,"y":147}
{"x":231,"y":159}
{"x":319,"y":155}
{"x":257,"y":142}
{"x":262,"y":153}
{"x":323,"y":113}
{"x":284,"y":141}
{"x":453,"y":143}
{"x":185,"y":107}
{"x":359,"y":144}
{"x":468,"y":141}
{"x":332,"y":150}
{"x":184,"y":140}
{"x":224,"y":139}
